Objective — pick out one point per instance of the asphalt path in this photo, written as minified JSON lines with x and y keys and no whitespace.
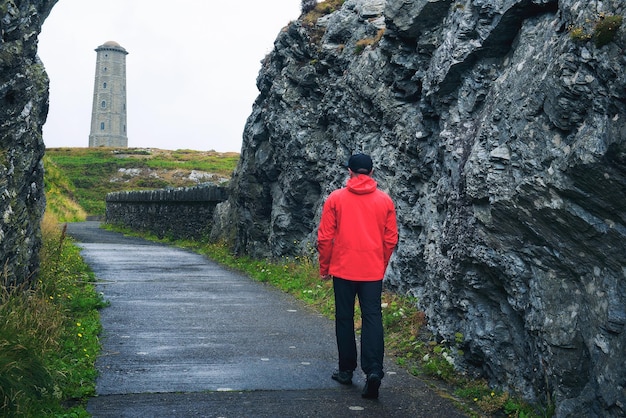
{"x":185,"y":337}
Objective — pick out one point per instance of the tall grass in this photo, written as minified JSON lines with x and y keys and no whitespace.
{"x":49,"y":334}
{"x":29,"y":328}
{"x":59,"y":194}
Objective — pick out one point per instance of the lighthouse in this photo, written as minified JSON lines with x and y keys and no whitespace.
{"x":108,"y":115}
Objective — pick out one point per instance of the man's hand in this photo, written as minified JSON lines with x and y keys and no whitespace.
{"x":326,"y":277}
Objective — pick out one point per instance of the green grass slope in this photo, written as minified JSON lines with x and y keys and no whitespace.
{"x":78,"y":179}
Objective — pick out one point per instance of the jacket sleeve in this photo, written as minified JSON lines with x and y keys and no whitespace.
{"x":326,"y":236}
{"x":390,"y":239}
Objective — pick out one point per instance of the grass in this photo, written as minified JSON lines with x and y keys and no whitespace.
{"x":90,"y":173}
{"x":49,"y":334}
{"x":323,"y":8}
{"x":60,"y":191}
{"x":364,"y":43}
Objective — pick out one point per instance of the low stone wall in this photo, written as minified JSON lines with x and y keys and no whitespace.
{"x":179,"y":213}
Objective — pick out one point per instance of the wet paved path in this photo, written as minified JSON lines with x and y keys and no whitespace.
{"x":185,"y":337}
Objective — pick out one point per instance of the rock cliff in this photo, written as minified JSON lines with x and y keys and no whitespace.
{"x":23,"y":111}
{"x":499,"y":129}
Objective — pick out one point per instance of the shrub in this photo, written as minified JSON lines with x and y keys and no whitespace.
{"x":606,"y":29}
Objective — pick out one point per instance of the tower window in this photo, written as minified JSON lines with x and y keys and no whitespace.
{"x":104,"y":86}
{"x":102,"y":126}
{"x":104,"y":104}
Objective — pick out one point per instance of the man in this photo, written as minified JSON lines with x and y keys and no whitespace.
{"x":356,"y":237}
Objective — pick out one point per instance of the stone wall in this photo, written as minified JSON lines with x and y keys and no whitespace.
{"x":501,"y":138}
{"x":23,"y":111}
{"x":178,"y":213}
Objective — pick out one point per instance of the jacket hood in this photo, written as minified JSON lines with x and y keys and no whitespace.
{"x":361,"y":184}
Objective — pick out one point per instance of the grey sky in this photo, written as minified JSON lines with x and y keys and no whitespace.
{"x":191,"y":68}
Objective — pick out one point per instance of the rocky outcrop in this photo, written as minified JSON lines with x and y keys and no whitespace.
{"x":23,"y":111}
{"x":499,"y":128}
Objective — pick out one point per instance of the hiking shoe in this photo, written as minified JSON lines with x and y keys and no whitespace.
{"x":370,"y":391}
{"x":343,"y":376}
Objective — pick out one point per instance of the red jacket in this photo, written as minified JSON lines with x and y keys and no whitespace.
{"x":357,"y":232}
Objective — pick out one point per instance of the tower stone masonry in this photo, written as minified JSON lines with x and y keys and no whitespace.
{"x":108,"y":115}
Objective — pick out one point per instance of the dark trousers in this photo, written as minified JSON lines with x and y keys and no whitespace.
{"x":372,"y":339}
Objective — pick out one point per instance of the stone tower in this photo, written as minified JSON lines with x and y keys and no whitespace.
{"x":108,"y":115}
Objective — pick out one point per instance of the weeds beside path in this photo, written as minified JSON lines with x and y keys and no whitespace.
{"x":49,"y":335}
